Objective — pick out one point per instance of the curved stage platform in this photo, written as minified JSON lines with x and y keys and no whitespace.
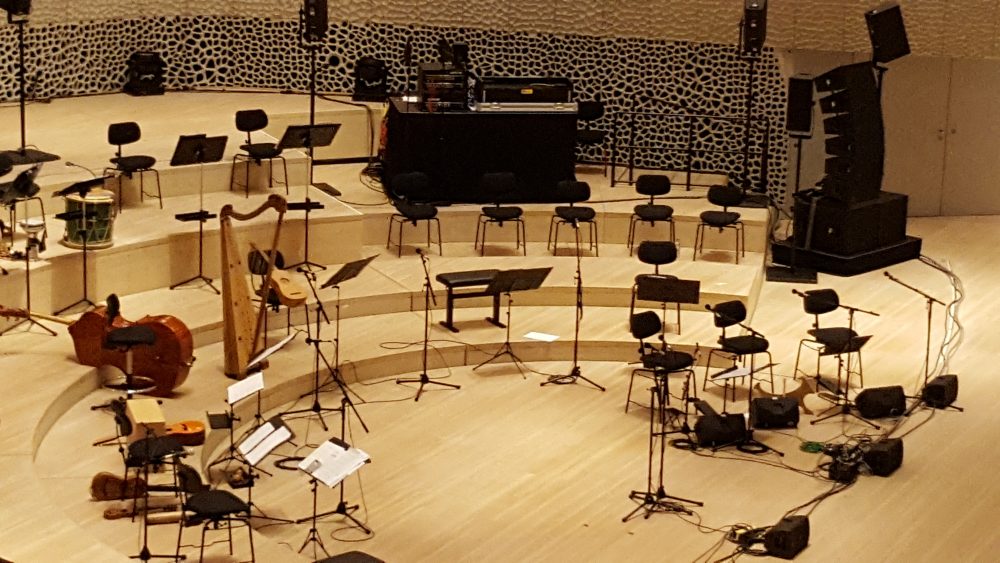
{"x":499,"y":470}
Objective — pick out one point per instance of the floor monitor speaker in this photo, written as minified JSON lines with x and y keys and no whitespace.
{"x":941,"y":391}
{"x":774,"y":412}
{"x":884,"y":457}
{"x":720,"y":429}
{"x":880,"y":402}
{"x":788,"y":537}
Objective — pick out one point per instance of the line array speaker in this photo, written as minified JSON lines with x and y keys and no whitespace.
{"x":788,"y":537}
{"x":799,"y":117}
{"x":887,"y":32}
{"x":316,"y":19}
{"x":880,"y":402}
{"x":856,"y":146}
{"x":941,"y":391}
{"x":753,"y":29}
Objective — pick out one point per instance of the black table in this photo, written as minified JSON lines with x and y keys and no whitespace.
{"x":455,"y":148}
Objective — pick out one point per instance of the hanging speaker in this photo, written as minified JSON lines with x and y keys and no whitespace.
{"x":880,"y":402}
{"x":788,"y":537}
{"x":315,"y":16}
{"x":887,"y":32}
{"x":941,"y":391}
{"x":753,"y":28}
{"x":798,"y":119}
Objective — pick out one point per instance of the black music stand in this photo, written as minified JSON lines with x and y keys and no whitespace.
{"x":506,"y":282}
{"x":308,"y":137}
{"x":81,"y":188}
{"x":663,"y":290}
{"x":346,"y":272}
{"x":198,"y":149}
{"x":332,"y":462}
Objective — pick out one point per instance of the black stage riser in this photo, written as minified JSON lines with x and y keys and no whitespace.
{"x":852,"y":265}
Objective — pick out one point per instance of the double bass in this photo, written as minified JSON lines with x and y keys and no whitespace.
{"x":167,"y":362}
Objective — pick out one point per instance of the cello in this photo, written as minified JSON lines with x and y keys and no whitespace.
{"x":167,"y":362}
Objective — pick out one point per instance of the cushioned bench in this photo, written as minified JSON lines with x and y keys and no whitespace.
{"x":464,"y":280}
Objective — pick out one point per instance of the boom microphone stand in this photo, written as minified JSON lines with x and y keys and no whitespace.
{"x":574,"y":373}
{"x":424,"y":379}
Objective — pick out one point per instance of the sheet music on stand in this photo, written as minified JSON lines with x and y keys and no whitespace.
{"x":268,"y":352}
{"x":333,"y":461}
{"x":262,"y":442}
{"x":245,"y":387}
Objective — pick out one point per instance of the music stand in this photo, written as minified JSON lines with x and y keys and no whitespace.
{"x":346,"y":272}
{"x":198,"y":149}
{"x":235,"y":393}
{"x":506,"y":282}
{"x":663,"y":290}
{"x":81,"y":188}
{"x":308,"y":137}
{"x":332,"y":462}
{"x":258,"y":445}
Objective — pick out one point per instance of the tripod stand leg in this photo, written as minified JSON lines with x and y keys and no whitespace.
{"x":423,"y":380}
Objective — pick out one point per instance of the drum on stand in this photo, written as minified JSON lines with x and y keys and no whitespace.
{"x":99,"y":209}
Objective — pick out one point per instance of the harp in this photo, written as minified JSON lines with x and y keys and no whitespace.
{"x":241,"y":325}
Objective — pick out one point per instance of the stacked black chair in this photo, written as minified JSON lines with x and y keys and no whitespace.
{"x":657,"y":363}
{"x":836,"y":341}
{"x":249,"y":121}
{"x":737,"y":348}
{"x":573,"y":192}
{"x":652,"y":212}
{"x":724,"y":196}
{"x":216,"y":509}
{"x":587,"y":112}
{"x":404,"y":187}
{"x":497,"y":187}
{"x":657,"y":253}
{"x":121,"y":134}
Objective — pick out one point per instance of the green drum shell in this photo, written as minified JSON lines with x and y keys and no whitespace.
{"x":99,"y":208}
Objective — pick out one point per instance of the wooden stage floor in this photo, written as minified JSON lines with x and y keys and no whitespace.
{"x":503,"y":469}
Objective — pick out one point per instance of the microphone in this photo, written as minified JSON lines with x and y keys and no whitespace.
{"x":799,"y":293}
{"x":75,"y":165}
{"x":890,"y":276}
{"x":420,"y":251}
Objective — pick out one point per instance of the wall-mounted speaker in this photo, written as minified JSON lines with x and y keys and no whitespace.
{"x":315,"y":19}
{"x":880,"y":402}
{"x":887,"y":32}
{"x":753,"y":28}
{"x":788,"y":537}
{"x":799,"y":117}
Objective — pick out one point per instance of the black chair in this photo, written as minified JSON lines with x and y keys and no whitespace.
{"x":737,"y":348}
{"x":657,"y":363}
{"x":6,"y":165}
{"x":249,"y":121}
{"x":121,"y":134}
{"x":837,"y":341}
{"x":657,"y":253}
{"x":404,"y":187}
{"x":572,"y":192}
{"x":126,"y":339}
{"x":497,"y":187}
{"x":724,"y":196}
{"x":587,"y":112}
{"x":652,"y":212}
{"x":218,"y":509}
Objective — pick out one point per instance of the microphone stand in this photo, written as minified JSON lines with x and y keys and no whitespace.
{"x":424,"y":379}
{"x":927,"y":349}
{"x":575,"y":373}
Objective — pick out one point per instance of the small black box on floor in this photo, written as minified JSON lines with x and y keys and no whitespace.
{"x":884,"y":457}
{"x":720,"y":429}
{"x":788,"y":537}
{"x":774,"y":412}
{"x":843,"y":471}
{"x":145,"y":74}
{"x":941,"y":391}
{"x":880,"y":402}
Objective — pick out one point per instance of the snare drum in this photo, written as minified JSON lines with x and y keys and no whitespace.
{"x":99,"y":209}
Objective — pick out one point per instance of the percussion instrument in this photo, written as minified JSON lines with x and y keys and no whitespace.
{"x":96,"y":222}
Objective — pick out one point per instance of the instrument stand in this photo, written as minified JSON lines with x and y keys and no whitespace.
{"x":506,"y":349}
{"x":655,"y":498}
{"x":29,"y":316}
{"x":317,"y":408}
{"x":198,"y":149}
{"x":24,"y":155}
{"x":425,"y":379}
{"x":575,"y":373}
{"x":343,"y":508}
{"x":927,"y":348}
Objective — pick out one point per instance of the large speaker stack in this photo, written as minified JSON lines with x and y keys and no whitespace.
{"x":848,"y":225}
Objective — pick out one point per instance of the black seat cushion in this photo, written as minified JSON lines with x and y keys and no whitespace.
{"x":747,"y":344}
{"x":569,"y":213}
{"x":352,"y":557}
{"x":504,"y":213}
{"x":467,"y":278}
{"x":833,"y":337}
{"x":261,"y":150}
{"x":134,"y":163}
{"x":415,"y":211}
{"x":216,"y":504}
{"x":590,"y":136}
{"x":667,"y":360}
{"x":151,"y":450}
{"x":719,"y":218}
{"x":128,"y":336}
{"x":654,"y":212}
